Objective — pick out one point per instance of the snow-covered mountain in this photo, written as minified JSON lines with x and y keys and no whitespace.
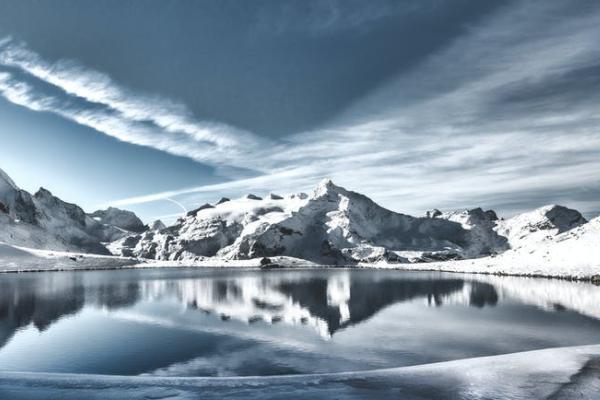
{"x":336,"y":226}
{"x":43,"y":221}
{"x":538,"y":225}
{"x":578,"y":247}
{"x":332,"y":226}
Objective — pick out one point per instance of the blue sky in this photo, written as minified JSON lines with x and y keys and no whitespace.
{"x":418,"y":104}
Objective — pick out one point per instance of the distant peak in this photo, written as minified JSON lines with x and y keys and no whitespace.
{"x":552,"y":216}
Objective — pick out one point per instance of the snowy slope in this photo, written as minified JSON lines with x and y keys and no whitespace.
{"x":19,"y":259}
{"x":577,"y":249}
{"x":571,"y":254}
{"x":44,"y":221}
{"x":539,"y":224}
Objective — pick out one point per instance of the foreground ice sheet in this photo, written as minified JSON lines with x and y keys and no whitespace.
{"x":562,"y":373}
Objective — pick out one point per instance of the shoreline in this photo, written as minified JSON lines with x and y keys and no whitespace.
{"x":15,"y":259}
{"x":547,"y":373}
{"x":416,"y":267}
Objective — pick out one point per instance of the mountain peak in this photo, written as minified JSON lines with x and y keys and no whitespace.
{"x":120,"y":218}
{"x":43,"y":193}
{"x":325,"y":187}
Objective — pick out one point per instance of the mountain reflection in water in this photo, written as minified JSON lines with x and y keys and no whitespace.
{"x":329,"y":302}
{"x":226,"y":322}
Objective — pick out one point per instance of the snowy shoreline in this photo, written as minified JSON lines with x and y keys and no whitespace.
{"x":557,"y":373}
{"x":16,"y":259}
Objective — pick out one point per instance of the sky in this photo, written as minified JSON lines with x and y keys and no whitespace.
{"x":160,"y":106}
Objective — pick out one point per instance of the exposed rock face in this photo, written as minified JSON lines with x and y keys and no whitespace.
{"x":120,"y":218}
{"x":333,"y":219}
{"x":69,"y":222}
{"x":480,"y":231}
{"x":188,"y":239}
{"x":44,"y":221}
{"x":16,"y":203}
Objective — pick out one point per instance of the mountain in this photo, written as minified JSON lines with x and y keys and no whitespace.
{"x":122,"y":219}
{"x":331,"y":226}
{"x":335,"y":226}
{"x":576,"y":249}
{"x":498,"y":235}
{"x":43,"y":221}
{"x":538,"y":225}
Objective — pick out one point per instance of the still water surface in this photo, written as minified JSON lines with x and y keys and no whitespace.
{"x":216,"y":322}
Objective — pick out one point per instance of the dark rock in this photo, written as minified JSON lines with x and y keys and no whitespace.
{"x":274,"y":196}
{"x":202,"y":207}
{"x":120,"y":218}
{"x":491,"y":215}
{"x":288,"y":231}
{"x":265,"y":261}
{"x":223,"y":200}
{"x":253,"y":197}
{"x":433,"y":213}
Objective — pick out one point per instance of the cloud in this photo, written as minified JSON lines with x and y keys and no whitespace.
{"x":493,"y":119}
{"x":329,"y":16}
{"x":92,"y":99}
{"x":450,"y":133}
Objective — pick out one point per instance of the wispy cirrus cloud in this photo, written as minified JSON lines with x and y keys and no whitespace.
{"x":497,"y":118}
{"x":93,"y":99}
{"x":505,"y":115}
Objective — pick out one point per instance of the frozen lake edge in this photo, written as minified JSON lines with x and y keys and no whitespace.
{"x":559,"y":373}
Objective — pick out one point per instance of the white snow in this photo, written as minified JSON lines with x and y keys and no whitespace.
{"x":559,"y":373}
{"x":22,"y":259}
{"x":571,"y":254}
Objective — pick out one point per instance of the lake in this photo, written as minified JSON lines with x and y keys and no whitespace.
{"x":231,"y":322}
